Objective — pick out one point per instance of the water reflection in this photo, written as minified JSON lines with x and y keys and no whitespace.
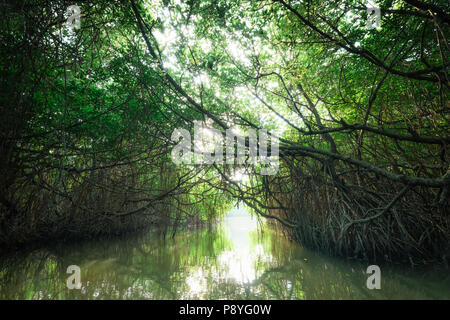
{"x":231,"y":261}
{"x":240,"y":260}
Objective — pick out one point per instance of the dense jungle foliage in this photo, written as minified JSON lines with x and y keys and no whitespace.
{"x":361,"y":113}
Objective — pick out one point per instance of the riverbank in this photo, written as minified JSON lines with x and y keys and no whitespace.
{"x":67,"y":233}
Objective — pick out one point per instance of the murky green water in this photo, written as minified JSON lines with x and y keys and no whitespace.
{"x":233,"y":261}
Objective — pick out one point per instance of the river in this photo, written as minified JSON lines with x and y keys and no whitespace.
{"x":232,"y":260}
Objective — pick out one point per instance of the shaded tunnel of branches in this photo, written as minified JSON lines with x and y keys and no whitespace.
{"x":364,"y":162}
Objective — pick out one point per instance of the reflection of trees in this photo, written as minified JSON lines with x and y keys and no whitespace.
{"x":319,"y":279}
{"x":137,"y":267}
{"x":149,"y":267}
{"x":298,"y":274}
{"x":278,"y":288}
